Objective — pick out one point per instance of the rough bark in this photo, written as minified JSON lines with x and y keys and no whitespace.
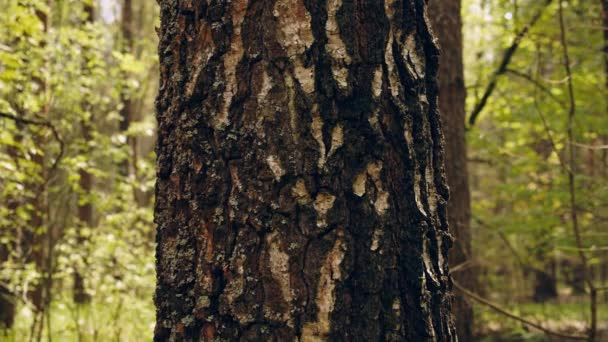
{"x":447,"y":25}
{"x":300,"y":186}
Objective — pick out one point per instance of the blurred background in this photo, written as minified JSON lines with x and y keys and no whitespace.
{"x":77,"y":85}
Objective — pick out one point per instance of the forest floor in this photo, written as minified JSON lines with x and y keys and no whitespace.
{"x":565,"y":318}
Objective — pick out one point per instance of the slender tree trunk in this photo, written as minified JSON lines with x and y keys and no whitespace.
{"x":130,"y":164}
{"x":11,"y":232}
{"x":300,"y":192}
{"x":447,"y":24}
{"x":604,"y":153}
{"x":85,"y":206}
{"x":37,"y":234}
{"x":85,"y":220}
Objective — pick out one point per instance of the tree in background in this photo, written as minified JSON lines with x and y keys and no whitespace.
{"x":447,"y":25}
{"x":537,"y":120}
{"x":61,"y":79}
{"x":301,"y":190}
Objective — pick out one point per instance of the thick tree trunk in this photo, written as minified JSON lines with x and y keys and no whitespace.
{"x":447,"y":24}
{"x":301,"y":191}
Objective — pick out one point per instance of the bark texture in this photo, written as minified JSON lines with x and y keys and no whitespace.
{"x":447,"y":25}
{"x":300,"y":186}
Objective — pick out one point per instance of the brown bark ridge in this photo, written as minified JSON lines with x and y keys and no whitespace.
{"x":300,"y":185}
{"x":447,"y":25}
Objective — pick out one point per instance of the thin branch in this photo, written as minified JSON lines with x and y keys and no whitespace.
{"x":537,"y":84}
{"x":547,"y":129}
{"x":526,"y":266}
{"x":47,"y":124}
{"x":571,"y":181}
{"x":502,"y":68}
{"x":504,"y":312}
{"x":462,"y":266}
{"x":591,"y":147}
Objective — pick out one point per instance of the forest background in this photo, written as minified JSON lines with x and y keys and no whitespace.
{"x":77,"y":85}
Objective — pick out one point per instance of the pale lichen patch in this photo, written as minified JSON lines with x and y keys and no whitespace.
{"x":295,"y":35}
{"x":430,"y":187}
{"x":372,"y":170}
{"x":415,"y":62}
{"x":330,"y":274}
{"x":418,"y":194}
{"x":305,"y":76}
{"x":441,"y":260}
{"x":323,"y":203}
{"x":337,"y":139}
{"x":393,"y":80}
{"x":381,"y":203}
{"x":275,"y":167}
{"x":293,"y":117}
{"x":360,"y":183}
{"x":335,"y":46}
{"x":266,"y":87}
{"x":300,"y":193}
{"x":200,"y":59}
{"x":235,"y":288}
{"x":233,"y":57}
{"x":376,"y":236}
{"x":263,"y":111}
{"x":374,"y":121}
{"x":377,"y":82}
{"x":316,"y":128}
{"x":279,"y":267}
{"x":428,"y":264}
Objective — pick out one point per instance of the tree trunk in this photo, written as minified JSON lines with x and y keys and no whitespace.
{"x":85,"y":206}
{"x":128,"y":167}
{"x":300,"y":185}
{"x":447,"y":24}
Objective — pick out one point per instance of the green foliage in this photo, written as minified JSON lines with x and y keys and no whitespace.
{"x":76,"y":185}
{"x":68,"y":81}
{"x":519,"y":148}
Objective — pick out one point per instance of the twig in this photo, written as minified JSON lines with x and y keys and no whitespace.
{"x":513,"y":316}
{"x":502,"y":68}
{"x":526,"y":266}
{"x":571,"y":181}
{"x":547,"y":129}
{"x":461,"y":266}
{"x":536,"y":83}
{"x":591,"y":147}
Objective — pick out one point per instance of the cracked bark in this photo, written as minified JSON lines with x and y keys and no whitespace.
{"x":300,"y":184}
{"x":447,"y":24}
